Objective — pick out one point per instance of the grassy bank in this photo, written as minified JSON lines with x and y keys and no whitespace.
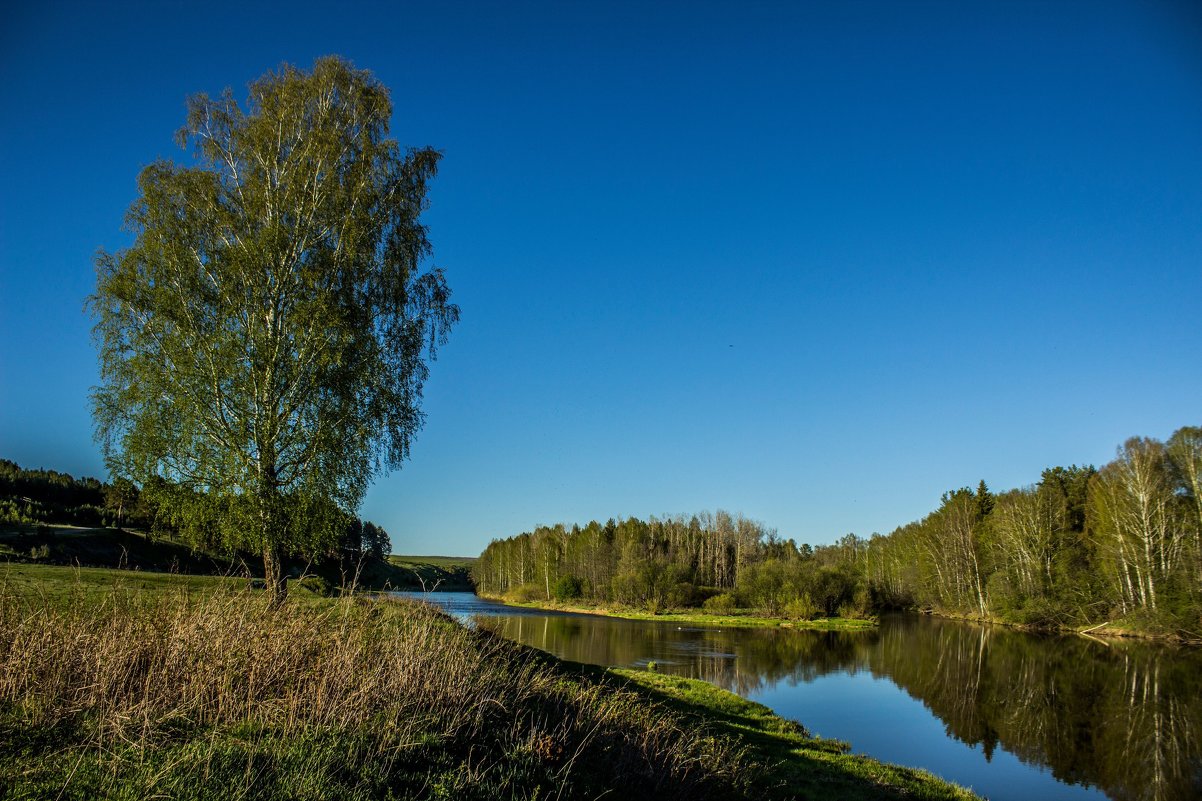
{"x":130,"y":686}
{"x":803,"y":766}
{"x":742,"y":618}
{"x":1132,"y":627}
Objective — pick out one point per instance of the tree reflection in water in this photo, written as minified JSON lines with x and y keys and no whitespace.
{"x":1123,"y":716}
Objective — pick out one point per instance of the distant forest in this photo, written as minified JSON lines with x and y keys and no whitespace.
{"x":44,"y":497}
{"x":1119,"y":544}
{"x":716,"y":560}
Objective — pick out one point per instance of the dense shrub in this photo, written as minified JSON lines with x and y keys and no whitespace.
{"x":801,"y":608}
{"x":568,"y":588}
{"x":526,"y":593}
{"x":317,"y":585}
{"x":720,"y":604}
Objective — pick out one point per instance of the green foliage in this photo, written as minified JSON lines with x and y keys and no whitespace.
{"x":768,"y":586}
{"x":447,"y":573}
{"x":525,"y":593}
{"x":660,"y":563}
{"x":800,"y":608}
{"x":985,"y":500}
{"x":568,"y":588}
{"x":772,"y":585}
{"x":1121,"y":544}
{"x":654,"y":585}
{"x":1083,"y":546}
{"x":318,"y":586}
{"x":723,"y":603}
{"x":376,"y":543}
{"x":48,"y":496}
{"x":263,"y":343}
{"x":678,"y":563}
{"x":859,"y":607}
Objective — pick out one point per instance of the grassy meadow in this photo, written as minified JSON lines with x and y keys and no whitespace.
{"x":123,"y":685}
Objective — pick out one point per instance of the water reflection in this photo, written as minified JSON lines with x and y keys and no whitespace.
{"x":1124,"y":717}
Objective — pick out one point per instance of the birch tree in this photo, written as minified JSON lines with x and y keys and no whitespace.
{"x":1026,"y":523}
{"x":264,"y":342}
{"x":1185,"y":457}
{"x":1132,"y":513}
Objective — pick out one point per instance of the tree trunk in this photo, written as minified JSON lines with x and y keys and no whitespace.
{"x":273,"y":573}
{"x":269,"y":522}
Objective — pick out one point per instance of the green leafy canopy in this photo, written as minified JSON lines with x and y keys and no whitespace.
{"x":264,"y":341}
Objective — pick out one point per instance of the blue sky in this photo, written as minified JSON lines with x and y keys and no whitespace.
{"x":815,"y":263}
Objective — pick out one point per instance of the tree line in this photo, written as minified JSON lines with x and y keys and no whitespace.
{"x":31,"y":497}
{"x":1081,"y":546}
{"x":47,"y":496}
{"x":720,"y":561}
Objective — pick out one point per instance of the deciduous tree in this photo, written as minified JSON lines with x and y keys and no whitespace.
{"x":264,"y":341}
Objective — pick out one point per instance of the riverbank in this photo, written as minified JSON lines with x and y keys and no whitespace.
{"x":153,"y":684}
{"x":1117,"y":629}
{"x":741,"y":619}
{"x":802,"y":766}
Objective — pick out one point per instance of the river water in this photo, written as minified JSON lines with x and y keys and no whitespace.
{"x":1014,"y":716}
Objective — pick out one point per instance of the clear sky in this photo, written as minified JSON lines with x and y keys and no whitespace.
{"x":812,"y":262}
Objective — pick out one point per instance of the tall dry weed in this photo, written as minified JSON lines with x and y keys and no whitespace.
{"x":127,"y":671}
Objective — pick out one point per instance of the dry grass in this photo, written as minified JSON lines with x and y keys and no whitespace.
{"x":215,"y":695}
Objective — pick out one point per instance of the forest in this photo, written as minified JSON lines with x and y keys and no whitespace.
{"x":1082,"y":546}
{"x":717,"y":560}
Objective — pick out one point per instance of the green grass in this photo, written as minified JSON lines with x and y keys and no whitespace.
{"x":738,"y":619}
{"x":445,"y":562}
{"x":447,"y":573}
{"x":809,"y":767}
{"x":34,"y":581}
{"x":749,"y":620}
{"x":108,"y":691}
{"x":124,"y":685}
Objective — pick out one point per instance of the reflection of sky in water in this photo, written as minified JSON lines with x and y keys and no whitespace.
{"x":463,"y":606}
{"x":879,"y":719}
{"x":987,"y":708}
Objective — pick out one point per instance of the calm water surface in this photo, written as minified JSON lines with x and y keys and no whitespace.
{"x":1011,"y":715}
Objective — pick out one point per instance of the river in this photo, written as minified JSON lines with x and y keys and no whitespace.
{"x":1012,"y":715}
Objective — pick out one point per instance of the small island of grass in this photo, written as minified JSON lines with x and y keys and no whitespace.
{"x":736,"y":618}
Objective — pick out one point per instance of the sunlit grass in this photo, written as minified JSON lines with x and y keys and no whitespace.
{"x":34,"y":583}
{"x":738,"y":619}
{"x":444,"y":562}
{"x":125,"y":685}
{"x":810,"y":767}
{"x":115,"y":690}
